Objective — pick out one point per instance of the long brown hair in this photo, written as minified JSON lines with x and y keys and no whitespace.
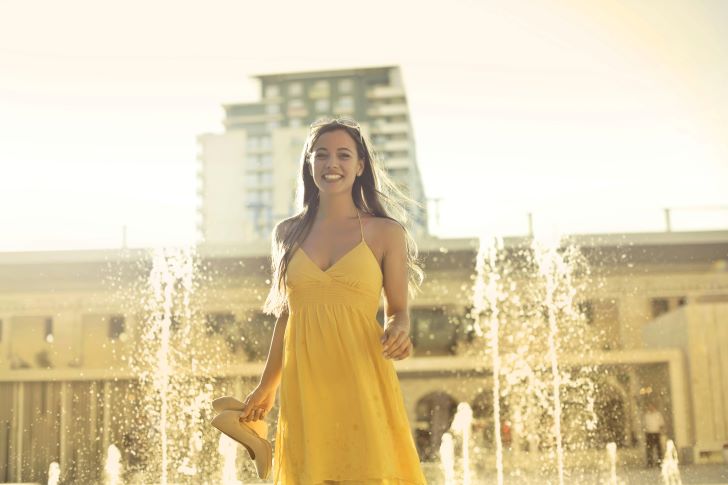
{"x":373,"y":193}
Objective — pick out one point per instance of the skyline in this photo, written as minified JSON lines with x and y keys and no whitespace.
{"x":622,"y":110}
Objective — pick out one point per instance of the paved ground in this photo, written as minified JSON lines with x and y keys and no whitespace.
{"x":689,"y":475}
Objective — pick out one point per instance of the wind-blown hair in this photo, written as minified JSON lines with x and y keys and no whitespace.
{"x":373,"y":192}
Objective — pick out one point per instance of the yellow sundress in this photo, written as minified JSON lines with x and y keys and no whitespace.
{"x":341,"y":416}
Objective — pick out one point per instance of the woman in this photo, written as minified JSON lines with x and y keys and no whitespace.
{"x":341,"y":415}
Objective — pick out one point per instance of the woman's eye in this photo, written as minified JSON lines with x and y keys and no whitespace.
{"x":324,"y":156}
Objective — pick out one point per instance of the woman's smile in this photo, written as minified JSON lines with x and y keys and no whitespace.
{"x":331,"y":179}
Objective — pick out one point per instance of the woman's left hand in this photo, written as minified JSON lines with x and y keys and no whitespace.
{"x":396,"y":343}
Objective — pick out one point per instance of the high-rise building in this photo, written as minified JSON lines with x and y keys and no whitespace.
{"x":248,"y":174}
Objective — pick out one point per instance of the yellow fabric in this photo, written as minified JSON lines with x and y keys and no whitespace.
{"x":342,"y":416}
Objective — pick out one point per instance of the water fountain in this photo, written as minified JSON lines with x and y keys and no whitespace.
{"x":54,"y":473}
{"x":612,"y":458}
{"x":112,"y":467}
{"x":228,"y":449}
{"x":486,"y":300}
{"x":526,"y":318}
{"x":447,"y":458}
{"x":669,"y":468}
{"x":174,"y":371}
{"x":461,"y":424}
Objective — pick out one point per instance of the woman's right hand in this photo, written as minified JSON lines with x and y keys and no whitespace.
{"x":258,"y":403}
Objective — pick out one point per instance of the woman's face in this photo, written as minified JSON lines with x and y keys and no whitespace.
{"x":335,"y":153}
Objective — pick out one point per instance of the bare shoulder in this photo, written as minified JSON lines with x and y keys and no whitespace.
{"x":283,"y":227}
{"x":388,"y":233}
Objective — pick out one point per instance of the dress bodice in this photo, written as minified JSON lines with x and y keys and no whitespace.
{"x":355,"y":279}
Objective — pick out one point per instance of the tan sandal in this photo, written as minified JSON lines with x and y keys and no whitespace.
{"x":250,"y":434}
{"x":227,"y":402}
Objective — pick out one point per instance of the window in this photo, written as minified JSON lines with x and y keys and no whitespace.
{"x":253,"y":143}
{"x":273,"y":109}
{"x":586,"y":308}
{"x":345,"y":104}
{"x":265,"y":161}
{"x":379,"y":139}
{"x":257,"y":331}
{"x":397,"y":174}
{"x":434,"y":331}
{"x":322,"y":105}
{"x":295,"y":122}
{"x":319,"y":89}
{"x":296,"y":108}
{"x":49,"y":330}
{"x":346,"y":85}
{"x":295,"y":89}
{"x":260,"y":197}
{"x":219,"y":323}
{"x":253,"y":198}
{"x":662,"y":305}
{"x":272,"y":91}
{"x":116,"y":326}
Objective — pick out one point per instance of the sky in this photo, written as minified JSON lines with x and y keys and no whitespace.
{"x":592,"y":116}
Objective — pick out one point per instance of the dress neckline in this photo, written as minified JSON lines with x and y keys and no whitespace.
{"x":361,"y":229}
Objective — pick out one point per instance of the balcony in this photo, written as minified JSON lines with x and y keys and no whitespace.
{"x":399,"y":109}
{"x":397,"y":163}
{"x":319,"y":90}
{"x":383,"y":92}
{"x":259,"y":150}
{"x":275,"y":99}
{"x":394,"y":146}
{"x":297,"y":112}
{"x":384,"y":128}
{"x":231,"y":121}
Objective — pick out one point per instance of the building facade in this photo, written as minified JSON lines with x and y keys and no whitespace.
{"x":72,"y":322}
{"x":248,"y":175}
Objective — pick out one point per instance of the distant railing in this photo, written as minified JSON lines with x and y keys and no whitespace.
{"x":572,"y":220}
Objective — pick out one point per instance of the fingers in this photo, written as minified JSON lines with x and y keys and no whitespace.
{"x":403,"y":352}
{"x":252,"y":414}
{"x":397,"y":348}
{"x":392,"y":340}
{"x":245,"y":412}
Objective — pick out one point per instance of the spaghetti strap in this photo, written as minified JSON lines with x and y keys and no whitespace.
{"x":361,"y":228}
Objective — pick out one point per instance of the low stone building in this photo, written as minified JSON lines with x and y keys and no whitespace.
{"x":77,"y":346}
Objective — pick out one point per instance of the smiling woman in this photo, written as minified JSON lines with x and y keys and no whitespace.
{"x":342,"y":415}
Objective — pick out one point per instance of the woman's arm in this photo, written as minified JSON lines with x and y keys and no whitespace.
{"x":271,"y":377}
{"x":260,"y":400}
{"x":395,"y":341}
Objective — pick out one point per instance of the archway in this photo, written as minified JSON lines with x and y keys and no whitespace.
{"x":434,"y":414}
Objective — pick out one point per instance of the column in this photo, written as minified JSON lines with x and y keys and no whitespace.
{"x":65,"y":416}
